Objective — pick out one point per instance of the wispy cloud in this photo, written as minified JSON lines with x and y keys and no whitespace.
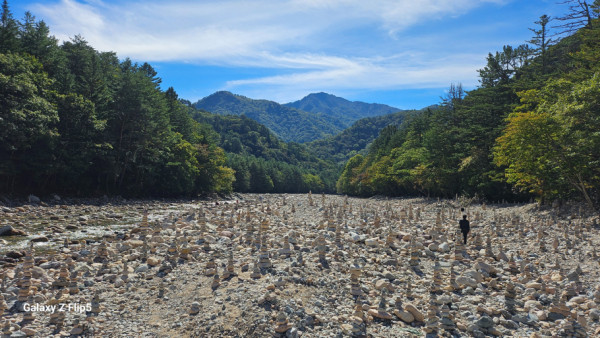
{"x":320,"y":43}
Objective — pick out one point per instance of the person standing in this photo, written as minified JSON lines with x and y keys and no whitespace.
{"x":464,"y":227}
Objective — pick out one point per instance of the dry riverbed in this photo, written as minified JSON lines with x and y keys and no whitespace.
{"x":297,"y":266}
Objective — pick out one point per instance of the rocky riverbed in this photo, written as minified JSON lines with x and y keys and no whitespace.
{"x":297,"y":266}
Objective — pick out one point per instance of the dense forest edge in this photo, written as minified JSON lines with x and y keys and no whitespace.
{"x":81,"y":122}
{"x":531,"y":129}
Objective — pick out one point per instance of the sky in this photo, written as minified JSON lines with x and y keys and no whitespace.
{"x":404,"y":53}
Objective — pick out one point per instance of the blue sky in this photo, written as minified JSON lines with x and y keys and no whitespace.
{"x":404,"y":53}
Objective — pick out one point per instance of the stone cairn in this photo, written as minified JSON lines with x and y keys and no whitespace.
{"x":101,"y":253}
{"x":321,"y":246}
{"x":446,"y":321}
{"x":431,"y":322}
{"x":509,"y":297}
{"x":285,"y":250}
{"x":24,"y":283}
{"x":211,"y":267}
{"x":229,"y":269}
{"x":255,"y":271}
{"x":63,"y":277}
{"x":263,"y":257}
{"x":281,"y":323}
{"x":358,"y":321}
{"x":355,"y":289}
{"x":414,"y":253}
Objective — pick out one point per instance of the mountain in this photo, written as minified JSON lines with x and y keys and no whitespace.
{"x":340,"y":110}
{"x":290,"y":124}
{"x":264,"y":163}
{"x":341,"y":147}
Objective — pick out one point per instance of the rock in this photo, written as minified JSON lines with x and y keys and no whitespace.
{"x":554,"y":316}
{"x":142,"y":268}
{"x":484,"y":322}
{"x":474,"y":274}
{"x":194,"y":308}
{"x":33,"y":199}
{"x":484,"y":267}
{"x":380,"y":314}
{"x":534,"y":285}
{"x":466,"y":281}
{"x":152,"y":261}
{"x":8,"y":230}
{"x":15,"y":254}
{"x":372,"y":242}
{"x":419,"y":317}
{"x":404,"y":316}
{"x":40,"y":239}
{"x":444,"y":247}
{"x":528,"y":319}
{"x":381,"y":283}
{"x":76,"y":331}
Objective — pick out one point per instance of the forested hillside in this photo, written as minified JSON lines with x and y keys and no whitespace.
{"x":341,"y":147}
{"x":289,"y":124}
{"x":264,"y":163}
{"x":78,"y":121}
{"x":339,"y":109}
{"x":530,"y":129}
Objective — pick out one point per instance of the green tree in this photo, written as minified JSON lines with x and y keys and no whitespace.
{"x":9,"y":31}
{"x":27,"y":118}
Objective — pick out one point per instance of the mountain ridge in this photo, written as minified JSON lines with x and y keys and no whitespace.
{"x":341,"y":109}
{"x":290,"y":124}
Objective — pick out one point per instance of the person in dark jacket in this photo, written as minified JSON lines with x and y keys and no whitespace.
{"x":464,"y":227}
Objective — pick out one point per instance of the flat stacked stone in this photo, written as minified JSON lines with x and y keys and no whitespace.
{"x":338,"y":236}
{"x":285,"y":250}
{"x":229,"y":269}
{"x":414,"y":253}
{"x":263,"y":257}
{"x":446,"y":321}
{"x":436,"y":281}
{"x":432,"y":321}
{"x":215,"y":282}
{"x":3,"y":305}
{"x":488,"y":247}
{"x":6,"y":329}
{"x":101,"y":253}
{"x":452,"y":285}
{"x":321,"y":247}
{"x":357,"y":320}
{"x":24,"y":282}
{"x":355,"y":289}
{"x":57,"y":318}
{"x":458,"y":251}
{"x":512,"y":265}
{"x":74,"y":283}
{"x":391,"y":238}
{"x":509,"y":297}
{"x":211,"y":267}
{"x":255,"y":271}
{"x":381,"y":311}
{"x":185,"y":250}
{"x":281,"y":324}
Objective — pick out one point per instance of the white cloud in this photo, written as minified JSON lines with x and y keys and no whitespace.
{"x":394,"y":73}
{"x":213,"y":30}
{"x":325,"y":44}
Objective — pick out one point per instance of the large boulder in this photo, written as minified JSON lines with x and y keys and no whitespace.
{"x":8,"y":230}
{"x":33,"y":199}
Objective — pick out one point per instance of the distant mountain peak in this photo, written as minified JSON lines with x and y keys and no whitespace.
{"x":338,"y":108}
